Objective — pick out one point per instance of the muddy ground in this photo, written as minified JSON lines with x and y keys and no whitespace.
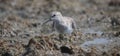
{"x":98,"y":28}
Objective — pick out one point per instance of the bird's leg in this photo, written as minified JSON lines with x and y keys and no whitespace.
{"x":61,"y":36}
{"x":53,"y":26}
{"x":64,"y":37}
{"x":74,"y":33}
{"x":74,"y":27}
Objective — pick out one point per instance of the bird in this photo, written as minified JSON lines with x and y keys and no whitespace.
{"x":61,"y":24}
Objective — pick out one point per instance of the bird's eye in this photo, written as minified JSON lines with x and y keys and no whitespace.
{"x":53,"y":15}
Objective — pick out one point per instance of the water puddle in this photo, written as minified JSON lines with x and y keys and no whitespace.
{"x":98,"y":43}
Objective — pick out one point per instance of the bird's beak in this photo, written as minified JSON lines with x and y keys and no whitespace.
{"x":46,"y":21}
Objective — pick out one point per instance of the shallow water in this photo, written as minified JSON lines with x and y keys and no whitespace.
{"x":97,"y":41}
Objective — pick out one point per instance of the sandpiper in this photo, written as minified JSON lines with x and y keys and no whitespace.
{"x":62,"y":24}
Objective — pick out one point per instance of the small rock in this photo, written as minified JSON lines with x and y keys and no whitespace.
{"x":115,"y":21}
{"x":65,"y":49}
{"x":6,"y":54}
{"x":117,"y":34}
{"x":56,"y":47}
{"x":114,"y":3}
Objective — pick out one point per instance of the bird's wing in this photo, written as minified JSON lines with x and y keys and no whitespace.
{"x":69,"y":21}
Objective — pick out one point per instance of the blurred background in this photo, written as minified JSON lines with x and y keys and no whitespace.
{"x":20,"y":20}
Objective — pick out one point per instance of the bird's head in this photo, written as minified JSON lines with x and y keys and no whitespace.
{"x":54,"y":16}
